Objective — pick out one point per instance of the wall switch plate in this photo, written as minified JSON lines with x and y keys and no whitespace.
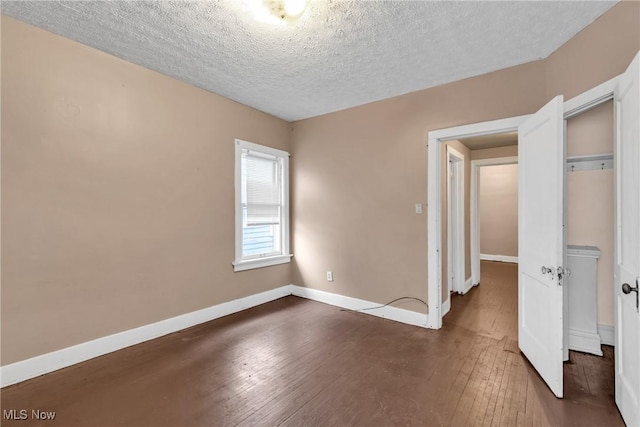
{"x":418,"y":208}
{"x":329,"y":276}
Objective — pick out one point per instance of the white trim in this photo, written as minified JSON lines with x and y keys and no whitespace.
{"x":455,"y":221}
{"x":587,"y":342}
{"x":475,"y":208}
{"x":607,"y":334}
{"x":491,"y":127}
{"x":434,"y":207}
{"x":446,"y":306}
{"x":499,"y":258}
{"x":510,"y":160}
{"x":387,"y":312}
{"x":261,"y":262}
{"x":565,"y":221}
{"x":39,"y":365}
{"x":468,"y":285}
{"x":240,"y":263}
{"x":49,"y":362}
{"x":590,"y":98}
{"x":262,"y":149}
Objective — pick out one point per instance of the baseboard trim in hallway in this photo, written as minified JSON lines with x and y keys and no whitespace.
{"x":499,"y":258}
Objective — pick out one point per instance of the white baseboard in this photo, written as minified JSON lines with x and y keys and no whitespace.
{"x":607,"y":334}
{"x":499,"y":258}
{"x":387,"y":312}
{"x":446,"y":306}
{"x":587,"y":342}
{"x":49,"y":362}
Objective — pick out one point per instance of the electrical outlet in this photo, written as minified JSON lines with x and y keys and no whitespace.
{"x":418,"y":208}
{"x":329,"y":276}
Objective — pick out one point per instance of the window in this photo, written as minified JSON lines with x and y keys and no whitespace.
{"x":262,"y":206}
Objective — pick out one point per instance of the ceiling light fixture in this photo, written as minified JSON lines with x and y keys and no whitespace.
{"x":279,"y":11}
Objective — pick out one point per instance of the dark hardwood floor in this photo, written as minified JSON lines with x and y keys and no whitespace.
{"x":295,"y":362}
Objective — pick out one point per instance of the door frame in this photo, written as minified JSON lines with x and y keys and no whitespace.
{"x":434,"y":203}
{"x":455,"y":222}
{"x":476,"y":165}
{"x":573,"y":107}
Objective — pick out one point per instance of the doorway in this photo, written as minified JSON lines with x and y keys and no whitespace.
{"x":437,"y":288}
{"x":590,"y":227}
{"x":505,"y":226}
{"x":541,"y":143}
{"x":542,"y":161}
{"x":463,"y":163}
{"x":435,"y":221}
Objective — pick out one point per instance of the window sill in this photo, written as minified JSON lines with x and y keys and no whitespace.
{"x":261,"y":262}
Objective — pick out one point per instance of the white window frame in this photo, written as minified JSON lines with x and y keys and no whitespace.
{"x":247,"y":263}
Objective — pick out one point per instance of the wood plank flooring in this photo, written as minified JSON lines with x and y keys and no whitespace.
{"x":294,"y":362}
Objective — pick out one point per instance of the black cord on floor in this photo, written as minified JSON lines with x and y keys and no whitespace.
{"x":389,"y":303}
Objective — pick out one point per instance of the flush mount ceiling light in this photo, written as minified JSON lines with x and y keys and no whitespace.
{"x":278,"y":11}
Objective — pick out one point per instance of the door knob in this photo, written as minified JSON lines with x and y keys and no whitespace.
{"x":627,"y":289}
{"x":548,"y":270}
{"x":563,"y":272}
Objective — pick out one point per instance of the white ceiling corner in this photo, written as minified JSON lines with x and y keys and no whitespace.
{"x":339,"y":54}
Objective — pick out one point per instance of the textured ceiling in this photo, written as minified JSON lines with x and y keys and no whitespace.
{"x":337,"y":55}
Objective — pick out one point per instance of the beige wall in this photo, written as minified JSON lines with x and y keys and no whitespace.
{"x":590,"y":198}
{"x":498,"y":208}
{"x":360,"y":171}
{"x":596,"y":54}
{"x":117,"y":183}
{"x":117,"y":194}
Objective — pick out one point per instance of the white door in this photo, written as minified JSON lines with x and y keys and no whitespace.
{"x":627,"y":268}
{"x":455,"y":220}
{"x":541,"y":241}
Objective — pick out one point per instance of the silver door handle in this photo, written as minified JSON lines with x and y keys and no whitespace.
{"x":563,"y":272}
{"x":627,"y":289}
{"x":548,"y":270}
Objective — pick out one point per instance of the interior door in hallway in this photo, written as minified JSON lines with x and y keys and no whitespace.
{"x":541,"y":241}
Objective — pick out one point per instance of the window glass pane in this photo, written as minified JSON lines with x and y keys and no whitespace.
{"x":260,"y":239}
